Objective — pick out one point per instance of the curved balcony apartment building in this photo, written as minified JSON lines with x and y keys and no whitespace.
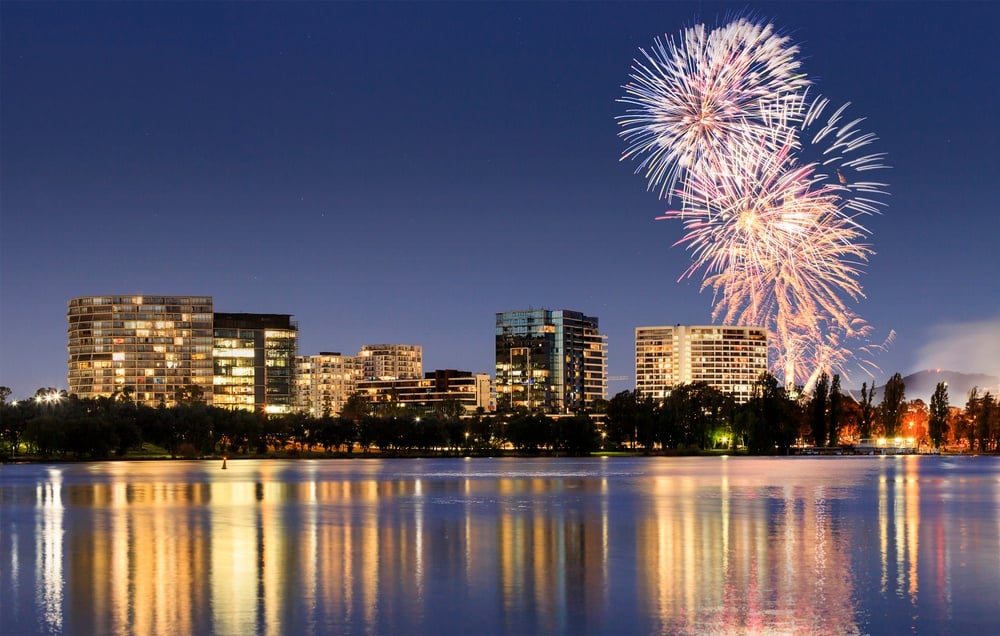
{"x":148,"y":346}
{"x":727,"y":357}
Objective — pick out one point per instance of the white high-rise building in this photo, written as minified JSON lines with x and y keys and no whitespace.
{"x":325,"y":381}
{"x":392,"y":361}
{"x":728,"y":358}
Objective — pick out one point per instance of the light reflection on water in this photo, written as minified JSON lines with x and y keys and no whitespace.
{"x":503,"y":546}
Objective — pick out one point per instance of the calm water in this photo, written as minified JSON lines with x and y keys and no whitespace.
{"x":503,"y":546}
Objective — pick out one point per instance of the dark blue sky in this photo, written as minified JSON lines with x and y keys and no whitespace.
{"x":402,"y":172}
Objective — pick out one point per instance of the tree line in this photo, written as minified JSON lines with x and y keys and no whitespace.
{"x":53,"y":424}
{"x":696,"y":417}
{"x":692,"y":418}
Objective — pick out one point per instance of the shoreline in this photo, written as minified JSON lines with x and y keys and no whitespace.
{"x":340,"y":456}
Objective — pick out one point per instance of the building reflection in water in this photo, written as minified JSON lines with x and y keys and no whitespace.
{"x":756,"y":556}
{"x":899,"y":526}
{"x":286,"y":547}
{"x":49,"y":548}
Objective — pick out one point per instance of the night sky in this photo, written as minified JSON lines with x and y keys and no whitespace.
{"x":402,"y":172}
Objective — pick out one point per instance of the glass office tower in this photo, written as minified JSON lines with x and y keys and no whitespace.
{"x":254,"y":362}
{"x":550,"y":361}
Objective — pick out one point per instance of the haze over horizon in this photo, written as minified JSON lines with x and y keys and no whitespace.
{"x":400,"y":173}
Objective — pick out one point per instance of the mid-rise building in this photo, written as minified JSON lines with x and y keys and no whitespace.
{"x":325,"y":381}
{"x":152,"y":348}
{"x":254,"y":362}
{"x":392,"y":361}
{"x":431,"y":392}
{"x":551,"y":361}
{"x":728,"y":358}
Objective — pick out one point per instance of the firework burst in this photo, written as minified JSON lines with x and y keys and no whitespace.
{"x":689,"y":98}
{"x":779,"y":246}
{"x":771,"y":188}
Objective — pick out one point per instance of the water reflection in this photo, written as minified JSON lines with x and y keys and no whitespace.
{"x":833,"y":545}
{"x":49,"y":547}
{"x":745,"y":556}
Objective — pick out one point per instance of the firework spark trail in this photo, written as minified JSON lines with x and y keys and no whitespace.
{"x":777,"y":249}
{"x":688,"y":98}
{"x":780,"y":244}
{"x":771,"y":188}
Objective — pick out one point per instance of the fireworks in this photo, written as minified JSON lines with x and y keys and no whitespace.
{"x":770,"y":192}
{"x":693,"y":97}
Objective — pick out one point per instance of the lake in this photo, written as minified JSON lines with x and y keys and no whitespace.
{"x":720,"y":545}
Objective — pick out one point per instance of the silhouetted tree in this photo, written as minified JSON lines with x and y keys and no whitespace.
{"x":893,"y":405}
{"x":529,"y":432}
{"x":982,"y":421}
{"x":633,"y":418}
{"x":13,"y":420}
{"x":769,"y":418}
{"x":835,"y":411}
{"x":866,"y":416}
{"x":937,"y":423}
{"x":189,"y":394}
{"x":622,"y":410}
{"x":449,"y":410}
{"x":692,"y":414}
{"x":576,"y":435}
{"x":818,"y":405}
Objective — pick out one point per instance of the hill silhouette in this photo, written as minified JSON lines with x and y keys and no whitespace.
{"x":921,"y":384}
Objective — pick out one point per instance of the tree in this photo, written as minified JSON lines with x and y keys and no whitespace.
{"x":355,"y":408}
{"x":971,"y":417}
{"x":836,"y":411}
{"x":449,"y":410}
{"x":691,"y":415}
{"x":631,"y":418}
{"x":893,"y":405}
{"x":993,"y":421}
{"x":916,"y":418}
{"x":769,"y":417}
{"x":13,"y":421}
{"x":187,"y":394}
{"x":529,"y":431}
{"x":983,"y":423}
{"x":4,"y":394}
{"x":866,"y":416}
{"x":937,"y":424}
{"x":818,"y":407}
{"x":576,"y":435}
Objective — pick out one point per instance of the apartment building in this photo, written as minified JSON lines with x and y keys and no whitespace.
{"x":728,"y":358}
{"x":325,"y":381}
{"x":151,"y":348}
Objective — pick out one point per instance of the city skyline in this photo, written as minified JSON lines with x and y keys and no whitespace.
{"x":395,"y":173}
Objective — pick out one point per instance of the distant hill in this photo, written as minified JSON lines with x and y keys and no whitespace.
{"x":922,"y":384}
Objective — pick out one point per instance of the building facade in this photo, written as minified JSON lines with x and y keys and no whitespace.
{"x":431,"y":392}
{"x":253,"y":359}
{"x":153,"y":348}
{"x":325,"y":381}
{"x":391,"y":361}
{"x":550,"y":361}
{"x":728,"y":358}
